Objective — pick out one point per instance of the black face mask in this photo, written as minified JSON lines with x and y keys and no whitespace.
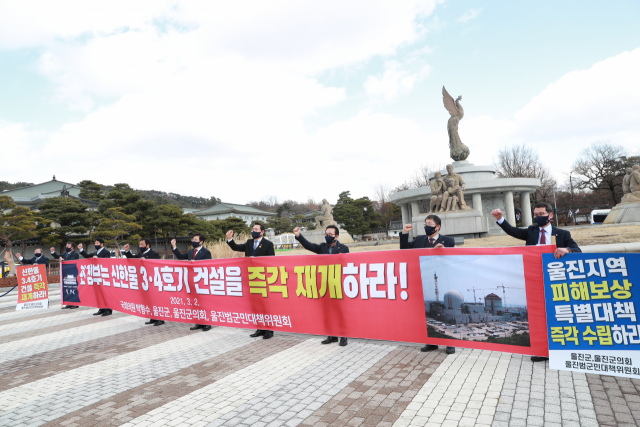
{"x":98,"y":247}
{"x":255,"y":234}
{"x":429,"y":230}
{"x":195,"y":244}
{"x":142,"y":249}
{"x":38,"y":254}
{"x":542,"y":220}
{"x":68,"y":249}
{"x":329,"y":239}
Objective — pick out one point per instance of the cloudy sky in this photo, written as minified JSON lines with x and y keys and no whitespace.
{"x":244,"y":100}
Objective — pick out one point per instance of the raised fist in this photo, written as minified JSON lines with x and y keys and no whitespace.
{"x":80,"y":246}
{"x":229,"y":234}
{"x":18,"y":255}
{"x":407,"y":228}
{"x":173,"y":243}
{"x":126,"y":247}
{"x":52,"y":250}
{"x":497,"y":214}
{"x":296,"y":231}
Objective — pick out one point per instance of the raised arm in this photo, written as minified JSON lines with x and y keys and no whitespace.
{"x":316,"y":249}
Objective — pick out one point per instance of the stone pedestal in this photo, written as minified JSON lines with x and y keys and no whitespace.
{"x":624,"y":213}
{"x":468,"y":224}
{"x":317,"y":236}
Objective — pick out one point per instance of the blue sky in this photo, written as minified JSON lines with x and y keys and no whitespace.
{"x":316,"y":98}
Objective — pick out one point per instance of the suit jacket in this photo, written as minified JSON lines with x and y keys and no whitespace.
{"x":203,"y":253}
{"x":103,"y":254}
{"x":265,"y":248}
{"x":43,"y":260}
{"x":67,"y":256}
{"x":148,"y":255}
{"x":322,"y":248}
{"x":531,"y":235}
{"x":422,"y":241}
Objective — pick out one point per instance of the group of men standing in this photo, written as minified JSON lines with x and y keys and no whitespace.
{"x":542,"y":233}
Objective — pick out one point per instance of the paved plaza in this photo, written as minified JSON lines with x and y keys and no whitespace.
{"x":67,"y":367}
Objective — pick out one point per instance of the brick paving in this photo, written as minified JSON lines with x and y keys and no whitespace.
{"x":67,"y":367}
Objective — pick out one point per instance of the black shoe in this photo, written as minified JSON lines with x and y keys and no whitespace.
{"x":99,"y":312}
{"x":74,"y":306}
{"x":429,"y":347}
{"x":150,"y":322}
{"x":206,"y":328}
{"x":343,"y":342}
{"x":158,"y":323}
{"x":107,"y":312}
{"x":538,"y":358}
{"x":196,"y":327}
{"x":257,"y":333}
{"x":329,"y":340}
{"x":451,"y":350}
{"x":267,"y":335}
{"x":65,"y":307}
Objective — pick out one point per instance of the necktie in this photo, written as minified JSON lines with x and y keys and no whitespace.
{"x":330,"y":250}
{"x":195,"y":251}
{"x":431,"y":241}
{"x":255,"y":245}
{"x":543,"y":238}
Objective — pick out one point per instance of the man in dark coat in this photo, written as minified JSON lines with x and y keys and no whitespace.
{"x":197,"y":253}
{"x":70,"y":254}
{"x":329,"y":247}
{"x":258,"y":246}
{"x":144,"y":252}
{"x":432,"y":239}
{"x":540,"y":234}
{"x":37,"y":259}
{"x":100,"y":252}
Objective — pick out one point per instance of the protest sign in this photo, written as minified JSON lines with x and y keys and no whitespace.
{"x":33,"y":292}
{"x":591,"y":317}
{"x":381,"y":295}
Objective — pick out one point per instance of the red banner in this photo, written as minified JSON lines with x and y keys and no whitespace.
{"x":422,"y":296}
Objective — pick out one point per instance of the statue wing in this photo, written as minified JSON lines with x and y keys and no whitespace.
{"x":449,"y":103}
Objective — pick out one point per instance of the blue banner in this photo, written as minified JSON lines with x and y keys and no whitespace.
{"x":592,"y":323}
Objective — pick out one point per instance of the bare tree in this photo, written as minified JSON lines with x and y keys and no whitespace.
{"x":600,"y":167}
{"x":521,"y":161}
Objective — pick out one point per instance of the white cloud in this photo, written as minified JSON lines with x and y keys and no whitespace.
{"x":469,"y":15}
{"x":601,"y":103}
{"x":222,"y":89}
{"x":395,"y":81}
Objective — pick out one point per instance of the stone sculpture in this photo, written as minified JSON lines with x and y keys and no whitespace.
{"x":625,"y":181}
{"x":436,"y":192}
{"x":326,"y":215}
{"x":457,"y":149}
{"x":453,"y":197}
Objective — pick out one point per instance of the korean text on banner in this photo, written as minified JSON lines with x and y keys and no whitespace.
{"x":33,"y":291}
{"x":386,"y":295}
{"x":591,"y":313}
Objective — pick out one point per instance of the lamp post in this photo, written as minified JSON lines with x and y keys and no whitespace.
{"x":555,"y":206}
{"x":573,"y":208}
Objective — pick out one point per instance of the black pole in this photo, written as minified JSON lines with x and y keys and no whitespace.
{"x":573,"y":208}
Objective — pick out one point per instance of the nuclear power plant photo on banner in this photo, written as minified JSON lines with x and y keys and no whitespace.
{"x":476,"y":298}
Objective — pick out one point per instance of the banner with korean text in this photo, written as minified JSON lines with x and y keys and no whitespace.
{"x":476,"y":298}
{"x":591,"y":315}
{"x":33,"y":292}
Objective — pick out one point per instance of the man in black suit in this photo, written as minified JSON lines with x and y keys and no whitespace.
{"x":145,"y":252}
{"x":70,"y":254}
{"x":540,"y":234}
{"x":37,"y":259}
{"x":432,"y":239}
{"x":197,"y":253}
{"x":329,"y":247}
{"x":259,"y":246}
{"x":100,"y":252}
